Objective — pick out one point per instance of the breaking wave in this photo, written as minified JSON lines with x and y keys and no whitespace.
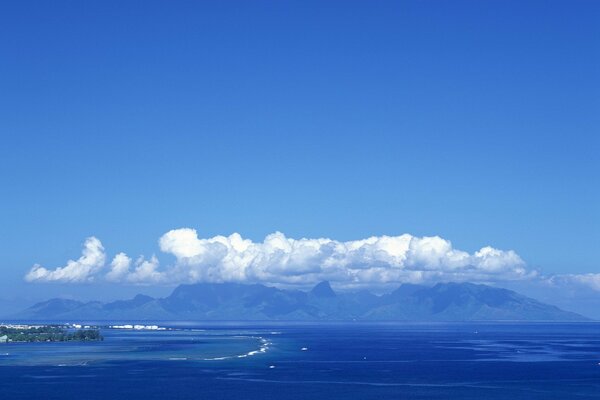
{"x":264,"y":347}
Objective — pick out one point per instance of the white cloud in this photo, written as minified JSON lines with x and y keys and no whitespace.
{"x":375,"y":260}
{"x":82,"y":270}
{"x":146,"y":272}
{"x":278,"y":259}
{"x":119,"y":267}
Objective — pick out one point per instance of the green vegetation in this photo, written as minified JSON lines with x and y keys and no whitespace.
{"x":49,"y":333}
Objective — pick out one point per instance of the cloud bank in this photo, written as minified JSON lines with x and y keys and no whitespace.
{"x":374,"y":261}
{"x":591,"y":281}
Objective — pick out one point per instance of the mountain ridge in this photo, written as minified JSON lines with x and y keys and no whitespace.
{"x":248,"y":302}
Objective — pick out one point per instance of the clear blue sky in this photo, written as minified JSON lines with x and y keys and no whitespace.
{"x":474,"y":120}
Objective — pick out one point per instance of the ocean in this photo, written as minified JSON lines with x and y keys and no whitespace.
{"x":313,"y":361}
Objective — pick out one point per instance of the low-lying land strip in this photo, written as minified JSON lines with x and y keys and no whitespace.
{"x":47,"y":333}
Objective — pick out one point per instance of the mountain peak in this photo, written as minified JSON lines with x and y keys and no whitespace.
{"x":229,"y":301}
{"x":323,"y":289}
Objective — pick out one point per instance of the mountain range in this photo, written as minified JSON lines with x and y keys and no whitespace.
{"x":243,"y":302}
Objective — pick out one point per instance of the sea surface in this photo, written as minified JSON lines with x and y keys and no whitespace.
{"x":308,"y":361}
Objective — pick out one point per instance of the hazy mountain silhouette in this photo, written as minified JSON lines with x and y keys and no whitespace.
{"x":235,"y":301}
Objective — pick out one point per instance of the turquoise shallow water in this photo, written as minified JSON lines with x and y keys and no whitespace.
{"x":129,"y":345}
{"x":330,"y":361}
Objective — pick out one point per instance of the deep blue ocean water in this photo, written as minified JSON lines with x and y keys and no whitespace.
{"x":340,"y":361}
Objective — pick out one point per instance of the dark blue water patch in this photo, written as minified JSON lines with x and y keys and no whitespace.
{"x":332,"y":361}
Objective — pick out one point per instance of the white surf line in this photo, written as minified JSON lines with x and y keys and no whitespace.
{"x":216,"y":358}
{"x":264,"y":347}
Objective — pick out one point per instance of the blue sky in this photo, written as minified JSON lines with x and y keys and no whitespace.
{"x":475,"y":121}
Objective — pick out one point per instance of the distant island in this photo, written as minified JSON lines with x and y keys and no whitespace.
{"x":46,"y":333}
{"x":257,"y":302}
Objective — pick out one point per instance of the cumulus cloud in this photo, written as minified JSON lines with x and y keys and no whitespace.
{"x":377,"y":260}
{"x":143,"y":272}
{"x":146,"y":272}
{"x":119,"y":268}
{"x":83,"y":269}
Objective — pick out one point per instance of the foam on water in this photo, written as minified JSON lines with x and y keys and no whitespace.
{"x":264,"y":347}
